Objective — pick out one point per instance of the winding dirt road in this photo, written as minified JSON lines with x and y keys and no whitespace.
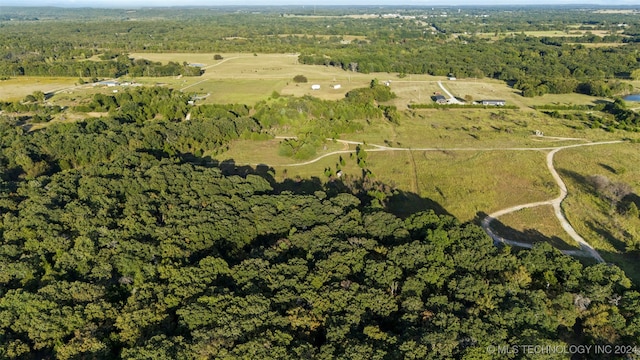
{"x":585,"y":248}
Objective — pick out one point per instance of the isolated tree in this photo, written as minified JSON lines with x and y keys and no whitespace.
{"x":300,"y":79}
{"x":609,"y":190}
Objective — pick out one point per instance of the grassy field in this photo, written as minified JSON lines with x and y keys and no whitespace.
{"x":247,"y":78}
{"x":593,"y":217}
{"x":464,"y":183}
{"x":18,"y":87}
{"x":467,"y":184}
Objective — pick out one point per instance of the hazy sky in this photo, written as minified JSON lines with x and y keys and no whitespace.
{"x":162,"y":3}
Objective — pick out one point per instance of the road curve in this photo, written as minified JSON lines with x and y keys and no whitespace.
{"x":556,"y":203}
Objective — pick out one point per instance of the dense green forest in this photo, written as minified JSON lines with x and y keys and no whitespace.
{"x":419,"y":41}
{"x":119,"y":239}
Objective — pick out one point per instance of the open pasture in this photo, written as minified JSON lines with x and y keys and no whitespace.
{"x":18,"y":87}
{"x":247,"y":78}
{"x":608,"y":230}
{"x":464,"y":183}
{"x":471,"y":183}
{"x":597,"y":218}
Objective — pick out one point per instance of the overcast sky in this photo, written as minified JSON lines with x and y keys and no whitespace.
{"x":163,"y":3}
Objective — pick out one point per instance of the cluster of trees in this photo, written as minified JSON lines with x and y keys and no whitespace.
{"x":616,"y":193}
{"x":42,"y":65}
{"x":311,"y":119}
{"x":140,"y":104}
{"x":78,"y":144}
{"x":29,"y":107}
{"x":625,"y":117}
{"x":612,"y":115}
{"x":316,"y":120}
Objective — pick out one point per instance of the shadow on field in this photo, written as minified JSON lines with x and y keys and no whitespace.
{"x":606,"y":234}
{"x":398,"y":202}
{"x":404,"y":203}
{"x":581,"y":182}
{"x":608,"y":168}
{"x":531,"y":236}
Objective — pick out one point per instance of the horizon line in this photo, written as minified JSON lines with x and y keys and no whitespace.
{"x":136,"y":4}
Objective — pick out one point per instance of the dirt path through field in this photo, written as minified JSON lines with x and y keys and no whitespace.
{"x":585,"y":247}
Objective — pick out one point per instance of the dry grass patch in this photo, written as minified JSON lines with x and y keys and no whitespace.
{"x":236,"y":91}
{"x":469,"y":183}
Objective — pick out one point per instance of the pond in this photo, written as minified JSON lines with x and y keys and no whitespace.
{"x":633,"y":97}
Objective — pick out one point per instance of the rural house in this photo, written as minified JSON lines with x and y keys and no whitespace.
{"x":440,"y":99}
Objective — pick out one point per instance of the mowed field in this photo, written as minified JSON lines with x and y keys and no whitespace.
{"x":249,"y":78}
{"x":18,"y":87}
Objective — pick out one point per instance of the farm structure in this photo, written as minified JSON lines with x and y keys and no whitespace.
{"x":493,"y":102}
